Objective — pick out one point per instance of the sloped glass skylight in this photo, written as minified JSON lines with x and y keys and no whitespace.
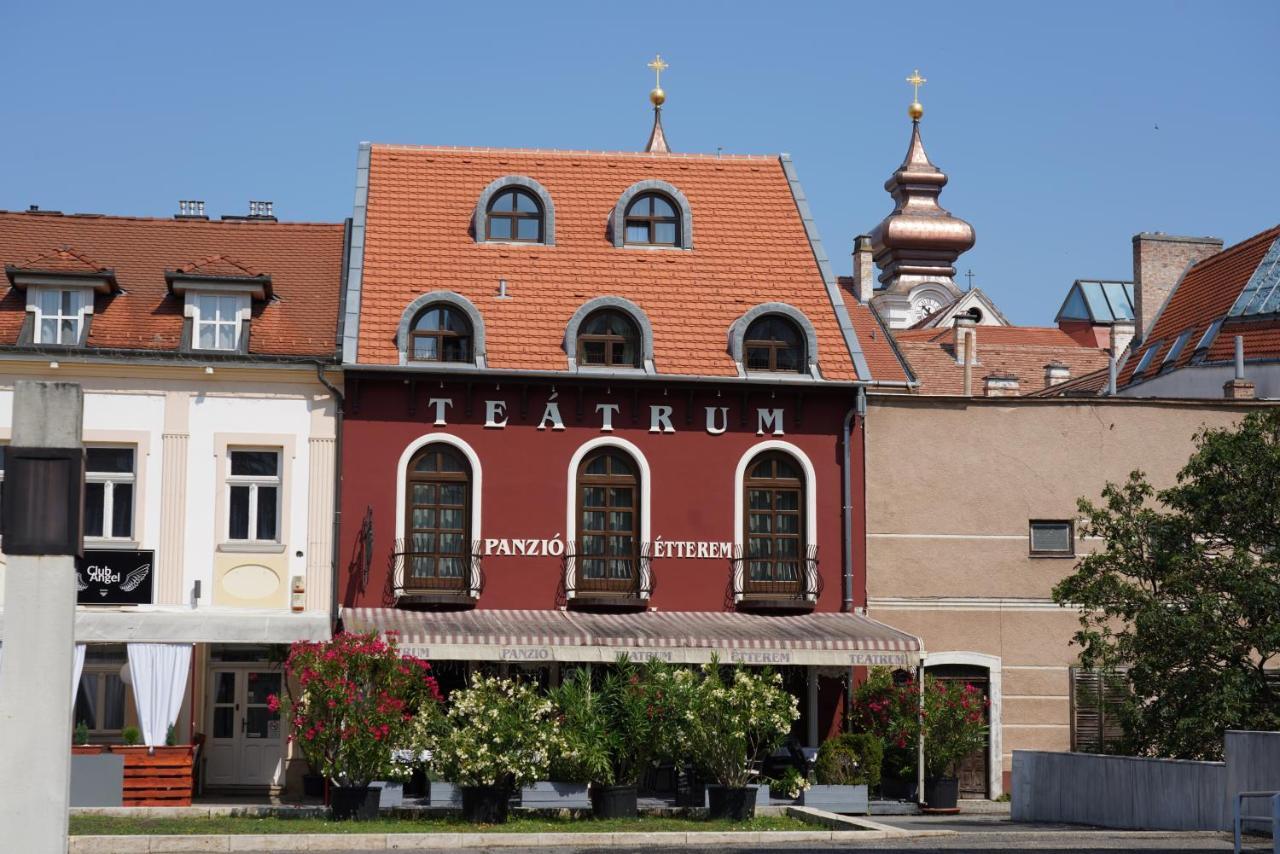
{"x":1147,"y":356}
{"x":1206,"y":340}
{"x":1262,"y":294}
{"x":1176,"y":349}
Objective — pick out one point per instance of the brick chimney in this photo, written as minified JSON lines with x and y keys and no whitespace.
{"x":1122,"y":332}
{"x":1000,"y":385}
{"x":864,"y":269}
{"x":1159,"y":260}
{"x":1056,"y":372}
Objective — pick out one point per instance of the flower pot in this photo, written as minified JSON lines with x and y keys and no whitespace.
{"x":485,"y":804}
{"x":443,"y":794}
{"x":614,"y":802}
{"x":546,"y":795}
{"x":941,"y":793}
{"x":898,"y":789}
{"x":354,"y":803}
{"x":733,"y":803}
{"x":838,"y":799}
{"x":313,"y":785}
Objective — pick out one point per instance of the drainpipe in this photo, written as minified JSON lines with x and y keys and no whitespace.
{"x":337,"y":491}
{"x":846,"y":501}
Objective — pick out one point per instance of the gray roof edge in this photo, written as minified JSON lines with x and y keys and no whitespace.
{"x":843,"y":319}
{"x":355,"y":263}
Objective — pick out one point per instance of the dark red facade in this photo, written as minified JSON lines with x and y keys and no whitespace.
{"x":526,"y":483}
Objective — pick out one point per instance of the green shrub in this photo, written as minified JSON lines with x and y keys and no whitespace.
{"x":852,"y":759}
{"x":82,"y":733}
{"x":171,"y":736}
{"x":131,"y":735}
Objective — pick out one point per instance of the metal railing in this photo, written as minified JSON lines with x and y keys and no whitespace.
{"x":1238,"y":816}
{"x":581,"y":579}
{"x":805,"y":587}
{"x":468,"y":582}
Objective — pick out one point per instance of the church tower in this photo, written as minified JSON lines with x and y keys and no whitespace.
{"x":916,"y":245}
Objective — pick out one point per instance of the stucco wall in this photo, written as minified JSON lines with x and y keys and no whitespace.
{"x":951,"y":486}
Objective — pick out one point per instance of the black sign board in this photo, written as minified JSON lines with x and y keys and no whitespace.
{"x":105,"y":577}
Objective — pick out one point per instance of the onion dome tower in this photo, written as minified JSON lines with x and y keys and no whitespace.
{"x":916,"y":245}
{"x":657,"y":138}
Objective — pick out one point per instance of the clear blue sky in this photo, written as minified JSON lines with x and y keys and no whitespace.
{"x":1043,"y":114}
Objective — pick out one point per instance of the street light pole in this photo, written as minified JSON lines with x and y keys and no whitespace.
{"x":42,"y":536}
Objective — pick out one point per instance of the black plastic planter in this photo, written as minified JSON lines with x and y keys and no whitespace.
{"x":354,"y":803}
{"x":731,"y":803}
{"x":485,"y":804}
{"x":313,"y":785}
{"x":614,"y":802}
{"x":941,"y":793}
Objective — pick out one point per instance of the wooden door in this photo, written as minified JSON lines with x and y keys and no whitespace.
{"x":973,"y":772}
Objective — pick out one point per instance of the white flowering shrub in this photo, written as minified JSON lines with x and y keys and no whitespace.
{"x":729,"y":722}
{"x":498,"y":732}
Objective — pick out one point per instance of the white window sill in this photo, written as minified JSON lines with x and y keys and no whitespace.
{"x":104,"y":543}
{"x":251,"y":547}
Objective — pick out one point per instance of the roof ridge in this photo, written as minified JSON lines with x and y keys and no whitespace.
{"x":168,"y":220}
{"x":572,"y":152}
{"x":1267,"y":236}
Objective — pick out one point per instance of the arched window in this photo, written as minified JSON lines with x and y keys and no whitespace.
{"x":652,"y":220}
{"x":514,"y":215}
{"x":438,"y":520}
{"x":609,"y":338}
{"x":440,"y":333}
{"x":774,"y":527}
{"x":608,"y":545}
{"x":774,"y":343}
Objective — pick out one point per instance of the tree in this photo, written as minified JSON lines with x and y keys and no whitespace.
{"x":1185,"y":593}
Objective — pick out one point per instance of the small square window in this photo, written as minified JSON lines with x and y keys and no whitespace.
{"x":1052,"y":538}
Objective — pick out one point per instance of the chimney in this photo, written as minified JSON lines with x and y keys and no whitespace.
{"x":864,"y":270}
{"x":262,"y":210}
{"x":1122,"y":332}
{"x":1000,"y":385}
{"x":190,"y":209}
{"x":966,"y":336}
{"x":1239,"y":388}
{"x":1056,"y":372}
{"x":1159,"y":260}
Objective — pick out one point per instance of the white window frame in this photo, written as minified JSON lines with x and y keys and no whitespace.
{"x":253,"y":482}
{"x":192,"y":310}
{"x":99,"y":702}
{"x":83,"y":305}
{"x":109,"y":481}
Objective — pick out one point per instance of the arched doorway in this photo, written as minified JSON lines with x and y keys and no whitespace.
{"x":980,"y":774}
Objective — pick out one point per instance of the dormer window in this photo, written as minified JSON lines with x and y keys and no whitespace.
{"x":59,"y":288}
{"x":774,"y":343}
{"x":515,"y":215}
{"x":440,"y":333}
{"x":609,"y":338}
{"x":217,"y":321}
{"x":59,"y":314}
{"x":652,"y":220}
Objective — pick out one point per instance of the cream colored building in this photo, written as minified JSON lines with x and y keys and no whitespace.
{"x":954,"y":489}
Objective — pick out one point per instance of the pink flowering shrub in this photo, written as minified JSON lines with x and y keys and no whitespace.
{"x":356,"y":702}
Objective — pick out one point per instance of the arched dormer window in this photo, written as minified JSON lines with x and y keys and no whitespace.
{"x":441,"y":329}
{"x":515,"y":209}
{"x":516,"y":215}
{"x":654,"y":215}
{"x":440,"y":333}
{"x":774,"y":337}
{"x":609,"y":338}
{"x":774,"y":343}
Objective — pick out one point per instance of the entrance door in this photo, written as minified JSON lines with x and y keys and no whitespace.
{"x":972,"y":773}
{"x":245,"y":746}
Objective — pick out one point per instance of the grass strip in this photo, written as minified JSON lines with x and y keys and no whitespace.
{"x":99,"y":825}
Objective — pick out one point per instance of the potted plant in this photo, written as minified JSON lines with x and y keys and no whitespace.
{"x":81,"y":735}
{"x":632,"y":726}
{"x":357,"y":701}
{"x":891,"y":712}
{"x":954,"y":726}
{"x":846,"y":766}
{"x":582,"y":756}
{"x":499,"y":734}
{"x":727,"y":724}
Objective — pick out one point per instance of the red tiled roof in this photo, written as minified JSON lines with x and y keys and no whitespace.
{"x":62,"y":260}
{"x":1088,"y":385}
{"x":1207,"y":292}
{"x":303,"y":259}
{"x":1019,"y":351}
{"x":749,"y":247}
{"x":221,"y":266}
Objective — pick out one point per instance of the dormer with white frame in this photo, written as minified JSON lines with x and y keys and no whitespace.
{"x":218,"y":293}
{"x":60,"y":286}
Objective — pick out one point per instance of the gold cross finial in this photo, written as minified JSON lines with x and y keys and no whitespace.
{"x":658,"y":67}
{"x":916,"y":82}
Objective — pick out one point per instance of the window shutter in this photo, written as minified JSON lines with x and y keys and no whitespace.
{"x":1095,"y":698}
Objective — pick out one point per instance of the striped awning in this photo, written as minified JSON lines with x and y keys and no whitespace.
{"x":824,"y":639}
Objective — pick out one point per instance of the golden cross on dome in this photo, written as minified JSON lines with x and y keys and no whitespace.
{"x":658,"y":67}
{"x":916,"y":82}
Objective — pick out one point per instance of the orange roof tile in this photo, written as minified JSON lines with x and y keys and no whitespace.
{"x":1019,"y":351}
{"x":749,"y":247}
{"x":1206,"y":293}
{"x":303,"y":259}
{"x":219,"y":266}
{"x":62,"y":260}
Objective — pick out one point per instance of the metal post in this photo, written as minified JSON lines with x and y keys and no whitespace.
{"x":811,"y":699}
{"x":920,"y":741}
{"x":1239,"y":357}
{"x":39,"y":639}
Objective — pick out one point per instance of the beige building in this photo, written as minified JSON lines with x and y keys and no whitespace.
{"x":972,"y":519}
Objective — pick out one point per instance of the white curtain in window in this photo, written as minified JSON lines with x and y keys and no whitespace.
{"x":77,"y":667}
{"x":159,"y":672}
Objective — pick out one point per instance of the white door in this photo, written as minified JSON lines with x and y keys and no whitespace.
{"x":245,"y":744}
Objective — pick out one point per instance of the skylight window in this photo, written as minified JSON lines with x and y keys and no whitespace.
{"x":1147,"y":356}
{"x":1172,"y":356}
{"x":1206,"y":340}
{"x":1262,"y":293}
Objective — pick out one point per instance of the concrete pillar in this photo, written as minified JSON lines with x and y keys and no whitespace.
{"x":39,"y":640}
{"x":170,"y":569}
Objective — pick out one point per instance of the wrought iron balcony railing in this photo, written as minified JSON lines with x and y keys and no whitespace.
{"x":415,"y":573}
{"x":602,"y":577}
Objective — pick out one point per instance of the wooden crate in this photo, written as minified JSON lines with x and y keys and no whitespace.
{"x":159,"y":779}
